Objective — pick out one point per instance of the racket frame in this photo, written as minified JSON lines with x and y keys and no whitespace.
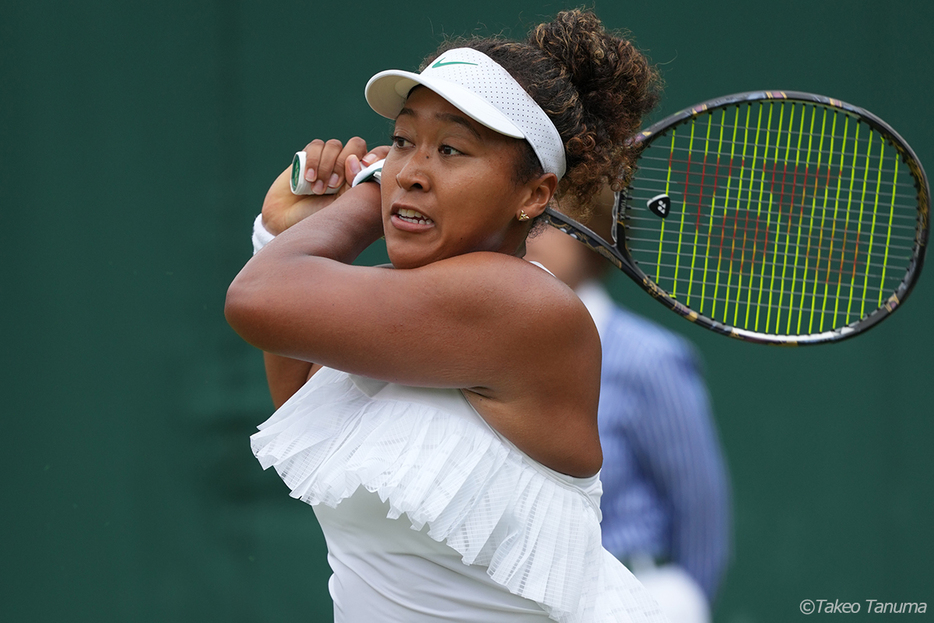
{"x":617,"y":253}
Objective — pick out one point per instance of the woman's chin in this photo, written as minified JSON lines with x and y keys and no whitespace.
{"x":406,"y":258}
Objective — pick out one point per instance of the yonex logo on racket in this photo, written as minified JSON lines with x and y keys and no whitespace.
{"x":660,"y":205}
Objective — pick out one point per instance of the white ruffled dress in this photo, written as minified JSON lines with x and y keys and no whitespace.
{"x":430,"y":514}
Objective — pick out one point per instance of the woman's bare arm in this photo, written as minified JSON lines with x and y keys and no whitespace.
{"x":514,"y":337}
{"x":334,"y":164}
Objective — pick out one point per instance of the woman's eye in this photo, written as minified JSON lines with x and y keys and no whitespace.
{"x":399,"y":141}
{"x":447,"y":150}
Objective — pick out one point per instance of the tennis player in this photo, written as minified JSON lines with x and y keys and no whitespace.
{"x":441,"y":415}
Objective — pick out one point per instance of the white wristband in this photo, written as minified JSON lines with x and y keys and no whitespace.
{"x":261,"y":235}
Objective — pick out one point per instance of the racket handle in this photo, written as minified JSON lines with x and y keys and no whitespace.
{"x":301,"y":186}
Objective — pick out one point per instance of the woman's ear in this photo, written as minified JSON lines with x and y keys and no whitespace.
{"x":541,"y":191}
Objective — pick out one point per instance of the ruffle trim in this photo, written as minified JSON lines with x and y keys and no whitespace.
{"x":538,"y":536}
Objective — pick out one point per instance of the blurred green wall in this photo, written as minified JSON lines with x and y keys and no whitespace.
{"x":137,"y":140}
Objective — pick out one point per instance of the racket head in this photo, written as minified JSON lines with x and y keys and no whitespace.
{"x":776,"y":217}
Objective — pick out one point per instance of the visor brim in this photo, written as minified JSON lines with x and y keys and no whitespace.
{"x":387,"y":91}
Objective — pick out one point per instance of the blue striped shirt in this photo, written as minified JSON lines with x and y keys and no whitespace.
{"x":666,"y":491}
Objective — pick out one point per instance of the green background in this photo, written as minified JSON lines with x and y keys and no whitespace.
{"x":137,"y":140}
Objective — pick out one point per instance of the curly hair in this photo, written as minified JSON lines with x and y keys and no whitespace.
{"x":593,"y":84}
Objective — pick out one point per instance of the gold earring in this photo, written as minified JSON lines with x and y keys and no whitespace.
{"x":523,"y":216}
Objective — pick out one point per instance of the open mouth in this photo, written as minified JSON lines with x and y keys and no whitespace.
{"x":412,"y":216}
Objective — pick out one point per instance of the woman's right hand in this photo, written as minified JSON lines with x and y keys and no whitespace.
{"x":328,"y":165}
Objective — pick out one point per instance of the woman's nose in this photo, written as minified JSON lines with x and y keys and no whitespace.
{"x":414,"y":174}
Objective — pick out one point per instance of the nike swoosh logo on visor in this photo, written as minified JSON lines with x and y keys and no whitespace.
{"x":441,"y":63}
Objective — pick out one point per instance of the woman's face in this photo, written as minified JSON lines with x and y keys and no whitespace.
{"x":448,"y":185}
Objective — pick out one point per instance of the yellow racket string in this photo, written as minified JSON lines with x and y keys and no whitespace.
{"x":833,"y":227}
{"x":794,"y":267}
{"x":846,"y":222}
{"x":713,"y":205}
{"x":778,"y":220}
{"x":781,"y":294}
{"x":687,"y":179}
{"x":814,"y":196}
{"x":888,"y":235}
{"x":768,"y":222}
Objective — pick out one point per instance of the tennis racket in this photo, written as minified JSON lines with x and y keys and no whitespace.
{"x":772,"y":217}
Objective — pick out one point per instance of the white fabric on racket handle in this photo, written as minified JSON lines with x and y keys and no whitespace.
{"x":374,"y":173}
{"x":301,"y":186}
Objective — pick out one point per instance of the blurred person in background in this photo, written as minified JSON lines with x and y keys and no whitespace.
{"x":666,"y":499}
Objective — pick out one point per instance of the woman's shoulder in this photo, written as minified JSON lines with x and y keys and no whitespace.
{"x":536,"y":313}
{"x":514,"y":279}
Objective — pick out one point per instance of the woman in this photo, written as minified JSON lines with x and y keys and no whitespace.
{"x":440,"y":416}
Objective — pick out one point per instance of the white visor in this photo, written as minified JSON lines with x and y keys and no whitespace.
{"x":480,"y":88}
